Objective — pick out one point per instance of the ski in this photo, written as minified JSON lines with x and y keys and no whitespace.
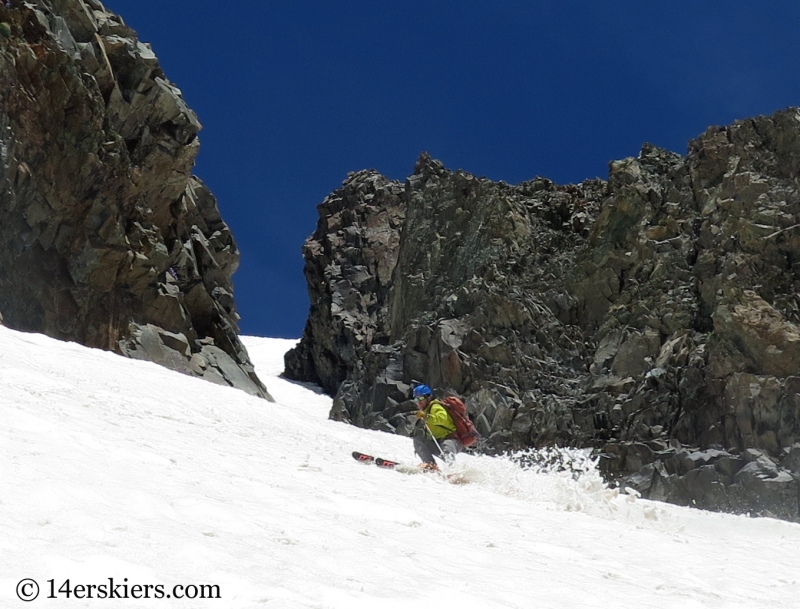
{"x":408,"y":469}
{"x":384,"y":463}
{"x":362,"y":458}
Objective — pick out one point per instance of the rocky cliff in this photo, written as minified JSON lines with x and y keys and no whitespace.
{"x":652,"y":317}
{"x":107,"y":237}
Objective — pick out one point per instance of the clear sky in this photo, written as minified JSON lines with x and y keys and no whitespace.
{"x":294,"y":94}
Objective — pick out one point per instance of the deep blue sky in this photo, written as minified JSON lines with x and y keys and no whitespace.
{"x":295,"y":94}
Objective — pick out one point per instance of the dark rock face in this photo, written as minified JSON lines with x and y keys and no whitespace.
{"x":653,"y":317}
{"x":107,"y":238}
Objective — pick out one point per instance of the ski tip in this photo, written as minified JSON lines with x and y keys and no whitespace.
{"x":362,"y":458}
{"x":384,"y":463}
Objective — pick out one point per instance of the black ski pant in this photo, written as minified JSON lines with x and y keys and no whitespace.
{"x":426,"y":448}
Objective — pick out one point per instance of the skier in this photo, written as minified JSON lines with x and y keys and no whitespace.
{"x":436,"y":438}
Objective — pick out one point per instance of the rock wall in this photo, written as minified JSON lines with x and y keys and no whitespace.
{"x":107,"y":237}
{"x":652,"y":317}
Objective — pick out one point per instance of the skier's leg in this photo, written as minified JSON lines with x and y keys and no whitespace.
{"x":450,"y":448}
{"x":425,"y":449}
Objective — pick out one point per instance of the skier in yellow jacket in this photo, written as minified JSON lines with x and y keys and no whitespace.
{"x":436,"y":440}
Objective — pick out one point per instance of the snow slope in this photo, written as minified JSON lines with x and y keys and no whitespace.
{"x":119,"y":469}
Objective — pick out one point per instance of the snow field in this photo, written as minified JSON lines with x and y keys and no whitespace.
{"x":118,"y":468}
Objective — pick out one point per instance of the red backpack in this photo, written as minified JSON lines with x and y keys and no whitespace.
{"x":465,"y":430}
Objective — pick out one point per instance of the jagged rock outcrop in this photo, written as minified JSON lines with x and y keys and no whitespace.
{"x":652,"y":317}
{"x":107,"y":237}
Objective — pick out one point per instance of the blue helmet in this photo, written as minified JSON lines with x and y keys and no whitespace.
{"x":421,"y":391}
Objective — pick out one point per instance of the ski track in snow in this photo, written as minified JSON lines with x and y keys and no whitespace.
{"x":115,"y":468}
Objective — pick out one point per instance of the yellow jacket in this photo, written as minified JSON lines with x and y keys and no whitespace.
{"x":439,"y":420}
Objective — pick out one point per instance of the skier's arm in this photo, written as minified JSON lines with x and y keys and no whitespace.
{"x":438,"y":416}
{"x":439,"y":421}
